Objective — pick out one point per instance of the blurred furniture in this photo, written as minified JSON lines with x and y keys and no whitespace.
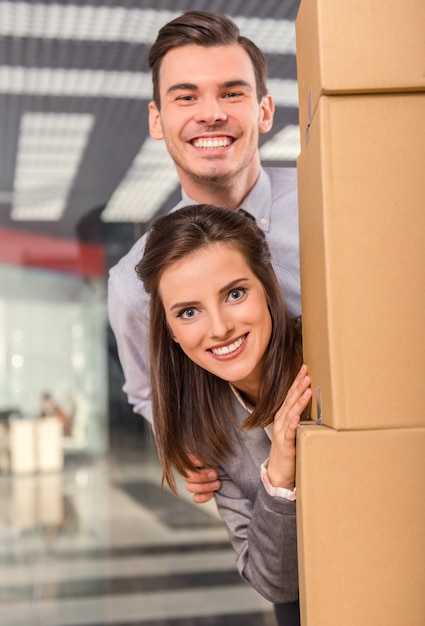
{"x":33,"y":445}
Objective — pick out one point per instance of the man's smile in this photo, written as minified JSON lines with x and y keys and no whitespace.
{"x":212,"y":143}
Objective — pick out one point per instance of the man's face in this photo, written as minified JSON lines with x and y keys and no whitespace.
{"x":210,"y":117}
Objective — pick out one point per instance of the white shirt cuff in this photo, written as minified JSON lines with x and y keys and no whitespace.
{"x":280,"y":492}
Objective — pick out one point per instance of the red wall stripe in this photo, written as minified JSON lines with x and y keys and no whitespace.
{"x":59,"y":254}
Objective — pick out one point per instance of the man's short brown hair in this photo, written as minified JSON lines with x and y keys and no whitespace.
{"x":202,"y":28}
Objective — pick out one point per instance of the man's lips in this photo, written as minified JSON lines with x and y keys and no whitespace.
{"x":212,"y":143}
{"x":229,"y":348}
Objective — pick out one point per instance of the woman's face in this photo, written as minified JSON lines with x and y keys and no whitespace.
{"x":217,"y":311}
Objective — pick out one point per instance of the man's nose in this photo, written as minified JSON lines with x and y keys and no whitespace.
{"x":210,"y":111}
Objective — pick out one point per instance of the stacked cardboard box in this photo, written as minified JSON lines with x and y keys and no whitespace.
{"x":361,"y":172}
{"x":361,"y":515}
{"x":358,"y":47}
{"x":362,"y":226}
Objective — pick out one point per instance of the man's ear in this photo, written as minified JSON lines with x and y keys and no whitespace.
{"x":155,"y":126}
{"x":266,"y":114}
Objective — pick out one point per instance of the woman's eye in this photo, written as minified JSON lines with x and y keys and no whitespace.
{"x":236,"y":294}
{"x":187,"y":314}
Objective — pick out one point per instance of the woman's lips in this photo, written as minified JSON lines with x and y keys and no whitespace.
{"x":229,"y":348}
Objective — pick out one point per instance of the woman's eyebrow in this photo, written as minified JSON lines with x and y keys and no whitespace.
{"x":232,"y":284}
{"x":184,"y":305}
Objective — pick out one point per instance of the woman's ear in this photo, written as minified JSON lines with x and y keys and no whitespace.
{"x":155,"y":126}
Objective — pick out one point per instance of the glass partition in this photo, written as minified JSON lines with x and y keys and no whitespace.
{"x":53,"y":349}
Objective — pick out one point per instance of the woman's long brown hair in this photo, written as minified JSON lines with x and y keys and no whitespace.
{"x":191,"y":407}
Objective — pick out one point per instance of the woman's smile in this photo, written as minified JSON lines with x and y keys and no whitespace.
{"x":229,"y":349}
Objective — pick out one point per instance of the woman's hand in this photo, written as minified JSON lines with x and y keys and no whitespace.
{"x":281,"y":466}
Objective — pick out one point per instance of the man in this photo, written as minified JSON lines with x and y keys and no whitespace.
{"x":210,"y":103}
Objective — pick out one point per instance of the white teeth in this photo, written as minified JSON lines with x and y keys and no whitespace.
{"x":228,"y":349}
{"x":212,"y":144}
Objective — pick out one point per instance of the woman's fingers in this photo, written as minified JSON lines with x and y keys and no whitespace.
{"x":281,"y":467}
{"x":297,"y":398}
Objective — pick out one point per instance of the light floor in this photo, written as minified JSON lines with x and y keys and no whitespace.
{"x":99,"y":545}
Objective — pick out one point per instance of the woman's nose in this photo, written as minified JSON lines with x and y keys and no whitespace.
{"x":221,"y":325}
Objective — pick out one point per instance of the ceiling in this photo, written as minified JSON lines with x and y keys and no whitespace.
{"x":75,"y":154}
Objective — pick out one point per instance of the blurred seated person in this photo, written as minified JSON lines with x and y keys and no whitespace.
{"x":49,"y":408}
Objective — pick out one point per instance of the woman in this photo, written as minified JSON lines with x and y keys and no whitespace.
{"x":223,"y":356}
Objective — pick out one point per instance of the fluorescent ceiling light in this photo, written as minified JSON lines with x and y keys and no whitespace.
{"x":273,"y":36}
{"x":150,"y":180}
{"x":284,"y":145}
{"x":49,"y":153}
{"x":284,"y":92}
{"x":81,"y":22}
{"x":80,"y":83}
{"x":101,"y":23}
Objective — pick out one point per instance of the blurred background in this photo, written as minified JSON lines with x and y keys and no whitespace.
{"x":80,"y":179}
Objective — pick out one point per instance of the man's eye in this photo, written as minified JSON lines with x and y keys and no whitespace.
{"x":233,"y":94}
{"x":185,"y":98}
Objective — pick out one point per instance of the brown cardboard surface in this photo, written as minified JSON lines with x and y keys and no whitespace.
{"x":362,"y":251}
{"x":361,"y":526}
{"x":362,"y":46}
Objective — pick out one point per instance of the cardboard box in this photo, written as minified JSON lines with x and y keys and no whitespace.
{"x":361,"y":526}
{"x":362,"y":251}
{"x":358,"y":47}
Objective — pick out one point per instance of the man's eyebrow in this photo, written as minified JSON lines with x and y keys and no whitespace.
{"x":182,"y":86}
{"x":226,"y":85}
{"x":237,"y":83}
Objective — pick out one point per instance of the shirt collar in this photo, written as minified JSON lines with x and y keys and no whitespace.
{"x":258,"y":202}
{"x":248,"y":407}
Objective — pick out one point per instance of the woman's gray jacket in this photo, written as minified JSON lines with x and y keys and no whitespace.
{"x":261,"y":528}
